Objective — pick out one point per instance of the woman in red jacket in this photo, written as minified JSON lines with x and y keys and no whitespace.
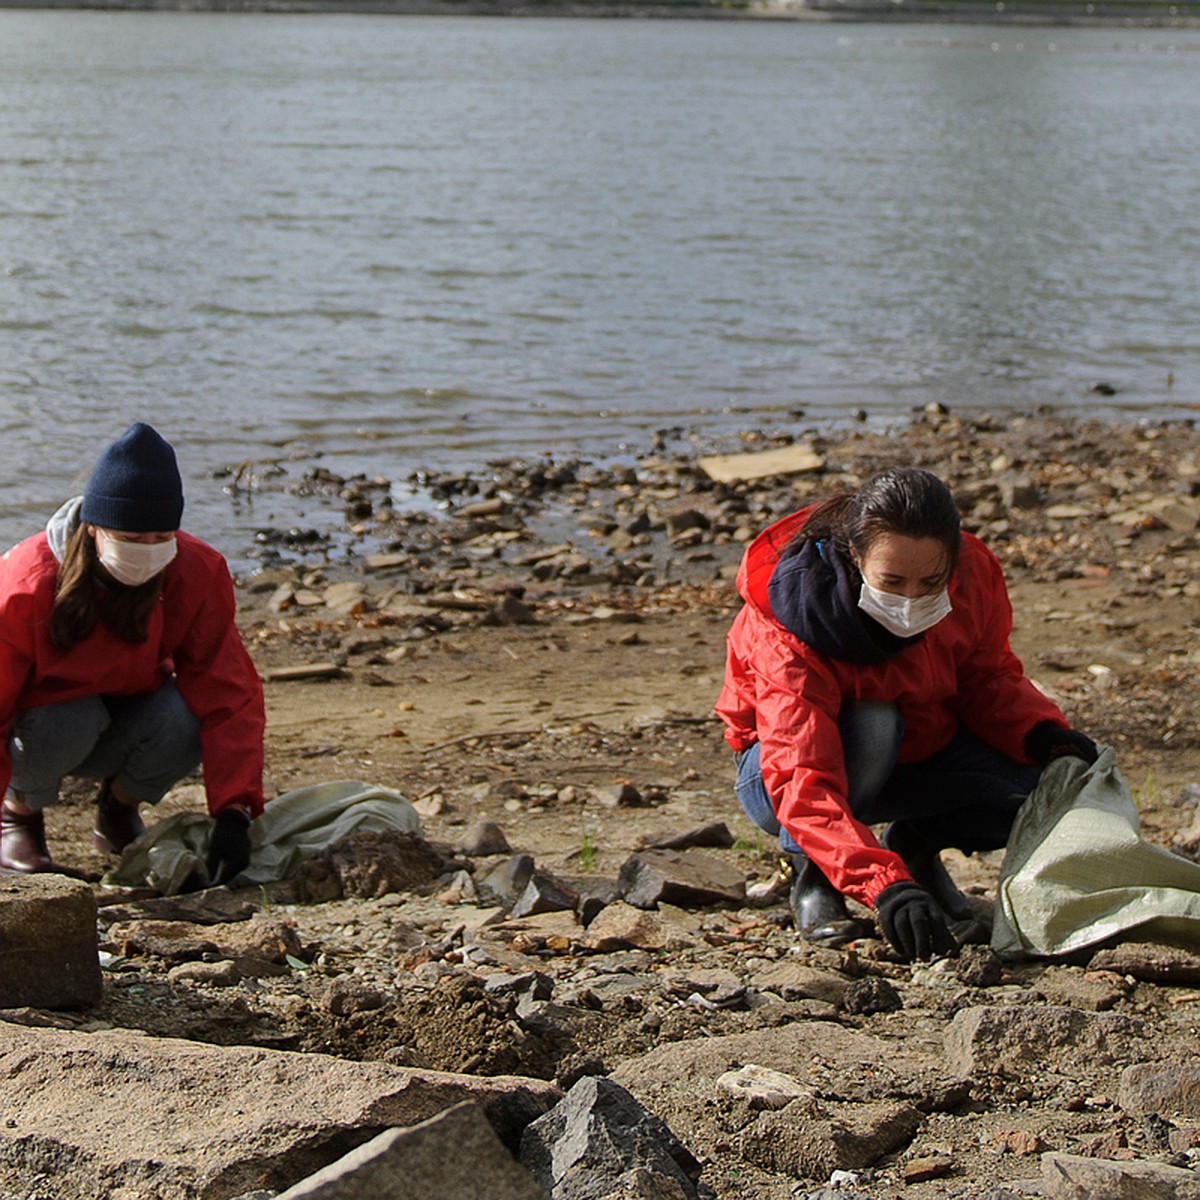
{"x":120,"y":661}
{"x":869,"y":679}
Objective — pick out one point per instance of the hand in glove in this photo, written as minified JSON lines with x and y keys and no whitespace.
{"x":1046,"y":741}
{"x":912,"y":922}
{"x":229,"y":846}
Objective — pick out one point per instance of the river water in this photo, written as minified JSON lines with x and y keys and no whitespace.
{"x":399,"y":242}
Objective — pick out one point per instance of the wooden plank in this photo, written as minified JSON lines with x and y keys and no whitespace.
{"x":316,"y":670}
{"x":763,"y":464}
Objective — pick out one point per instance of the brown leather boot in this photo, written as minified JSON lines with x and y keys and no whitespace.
{"x":23,"y":842}
{"x":116,"y":824}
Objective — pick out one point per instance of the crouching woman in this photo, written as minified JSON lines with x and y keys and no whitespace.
{"x":869,"y":681}
{"x":120,"y":661}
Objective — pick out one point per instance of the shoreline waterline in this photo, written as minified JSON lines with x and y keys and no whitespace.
{"x":900,"y":12}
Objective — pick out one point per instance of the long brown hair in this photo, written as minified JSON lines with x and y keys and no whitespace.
{"x":903,"y":500}
{"x":79,"y":603}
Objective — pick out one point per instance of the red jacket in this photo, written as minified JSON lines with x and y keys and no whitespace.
{"x":787,"y":696}
{"x":192,"y":635}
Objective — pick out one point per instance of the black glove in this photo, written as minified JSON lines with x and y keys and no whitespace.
{"x":1046,"y":741}
{"x":912,"y":922}
{"x":229,"y":846}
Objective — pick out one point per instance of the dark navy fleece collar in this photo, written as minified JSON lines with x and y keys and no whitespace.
{"x":814,"y":595}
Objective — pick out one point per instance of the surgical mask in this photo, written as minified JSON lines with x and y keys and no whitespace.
{"x":899,"y":614}
{"x":132,"y":563}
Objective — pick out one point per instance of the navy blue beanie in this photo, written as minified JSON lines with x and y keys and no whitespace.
{"x":135,"y":487}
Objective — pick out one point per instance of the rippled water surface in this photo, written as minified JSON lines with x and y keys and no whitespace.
{"x":411,"y":241}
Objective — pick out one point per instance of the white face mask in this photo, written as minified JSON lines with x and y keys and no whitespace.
{"x":132,"y":563}
{"x":900,"y":615}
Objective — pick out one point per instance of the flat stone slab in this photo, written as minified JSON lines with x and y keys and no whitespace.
{"x":981,"y":1039}
{"x":695,"y":1065}
{"x":1170,"y":1089}
{"x":1071,"y":1177}
{"x":454,"y":1154}
{"x":49,"y":954}
{"x":687,"y":878}
{"x":177,"y":1120}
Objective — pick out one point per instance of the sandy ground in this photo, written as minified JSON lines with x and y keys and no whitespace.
{"x":538,"y":724}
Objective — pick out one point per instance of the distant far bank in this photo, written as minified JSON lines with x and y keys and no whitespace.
{"x":1134,"y":14}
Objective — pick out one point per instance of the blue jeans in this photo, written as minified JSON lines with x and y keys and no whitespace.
{"x":146,"y":742}
{"x":966,"y":795}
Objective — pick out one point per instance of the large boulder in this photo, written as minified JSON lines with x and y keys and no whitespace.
{"x":177,"y":1120}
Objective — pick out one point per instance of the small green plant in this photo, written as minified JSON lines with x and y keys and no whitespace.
{"x":266,"y":900}
{"x":588,"y":850}
{"x":1147,"y":795}
{"x":746,"y":845}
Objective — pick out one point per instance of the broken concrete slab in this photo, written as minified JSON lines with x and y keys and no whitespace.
{"x":1073,"y":1177}
{"x":453,"y":1154}
{"x":986,"y":1038}
{"x":685,"y":878}
{"x":587,"y":1145}
{"x":797,"y":459}
{"x":178,"y":1120}
{"x":49,"y":954}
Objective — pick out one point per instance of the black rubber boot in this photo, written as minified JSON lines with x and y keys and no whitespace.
{"x":925,"y":865}
{"x":819,"y":909}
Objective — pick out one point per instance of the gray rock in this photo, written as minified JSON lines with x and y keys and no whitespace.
{"x":640,"y":1184}
{"x":982,"y":1039}
{"x":505,"y":882}
{"x":1071,"y":1177}
{"x":1169,"y":1089}
{"x":177,"y":1120}
{"x":544,"y":894}
{"x":978,"y":966}
{"x":620,"y":926}
{"x":586,"y":1147}
{"x":224,"y":973}
{"x":829,"y":1193}
{"x":485,"y":837}
{"x":508,"y":610}
{"x":715,"y":834}
{"x":48,"y":948}
{"x":872,"y":994}
{"x":796,"y":981}
{"x":688,"y":879}
{"x":454,"y":1154}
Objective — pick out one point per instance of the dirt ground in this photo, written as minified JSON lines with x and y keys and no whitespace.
{"x":538,"y":721}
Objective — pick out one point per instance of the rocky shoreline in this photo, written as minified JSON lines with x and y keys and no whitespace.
{"x":533,"y":665}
